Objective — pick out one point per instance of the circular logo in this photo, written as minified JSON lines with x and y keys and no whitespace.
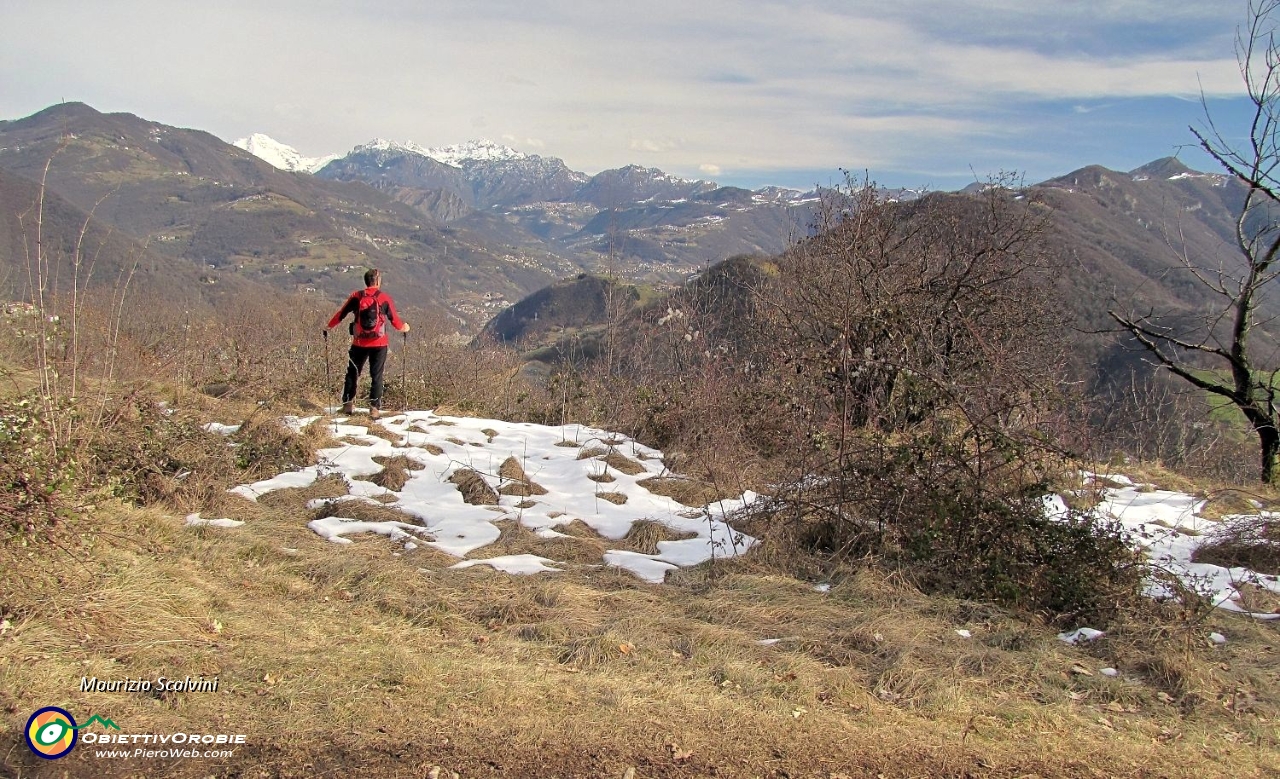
{"x":51,"y":732}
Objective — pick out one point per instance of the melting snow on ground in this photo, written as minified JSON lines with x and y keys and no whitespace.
{"x":564,"y":460}
{"x":551,"y":457}
{"x":1168,"y":526}
{"x":195,"y":520}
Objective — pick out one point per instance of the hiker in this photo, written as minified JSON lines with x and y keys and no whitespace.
{"x":371,"y":308}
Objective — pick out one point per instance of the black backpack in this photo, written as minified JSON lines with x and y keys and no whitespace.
{"x":370,"y":322}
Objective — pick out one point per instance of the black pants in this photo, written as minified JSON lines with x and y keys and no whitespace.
{"x":377,"y":357}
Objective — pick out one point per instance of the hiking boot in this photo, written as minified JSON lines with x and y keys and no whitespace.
{"x":349,"y":407}
{"x":374,"y":413}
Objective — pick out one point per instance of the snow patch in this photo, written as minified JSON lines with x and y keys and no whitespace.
{"x":194,"y":520}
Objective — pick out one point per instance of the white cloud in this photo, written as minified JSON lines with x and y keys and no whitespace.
{"x":653,"y":146}
{"x":709,"y":169}
{"x":754,"y":84}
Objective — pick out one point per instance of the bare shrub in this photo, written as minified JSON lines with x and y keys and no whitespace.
{"x":1244,"y":542}
{"x":1152,"y":417}
{"x":432,"y":368}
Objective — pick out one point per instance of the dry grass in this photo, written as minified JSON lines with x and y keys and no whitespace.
{"x":644,"y":535}
{"x":1247,"y":542}
{"x":347,"y":660}
{"x":690,"y":492}
{"x":376,"y":429}
{"x":296,"y":498}
{"x":395,"y":471}
{"x":518,"y":482}
{"x":515,"y":538}
{"x":619,"y":462}
{"x":368,"y":659}
{"x":1258,"y":599}
{"x":365,"y":511}
{"x":475,"y":490}
{"x":1220,"y":504}
{"x":616,"y":498}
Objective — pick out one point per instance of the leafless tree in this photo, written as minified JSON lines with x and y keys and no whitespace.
{"x":918,"y":330}
{"x":1225,"y":337}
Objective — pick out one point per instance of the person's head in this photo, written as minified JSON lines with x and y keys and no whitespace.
{"x":373,"y":278}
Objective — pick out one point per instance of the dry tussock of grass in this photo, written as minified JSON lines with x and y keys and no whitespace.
{"x":1247,"y":540}
{"x":1155,"y":475}
{"x":644,"y":535}
{"x":376,"y":429}
{"x":579,"y":529}
{"x":1258,"y":599}
{"x":596,"y":650}
{"x":690,"y":492}
{"x":1219,"y":504}
{"x":619,"y":462}
{"x":475,"y":490}
{"x":518,"y":482}
{"x":453,"y":410}
{"x":580,"y":546}
{"x":365,"y":511}
{"x":395,"y":471}
{"x":616,"y":498}
{"x":588,"y":452}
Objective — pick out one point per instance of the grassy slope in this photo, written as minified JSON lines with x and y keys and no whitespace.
{"x":356,"y":660}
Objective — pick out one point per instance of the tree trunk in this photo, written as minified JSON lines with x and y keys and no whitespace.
{"x":1269,"y":438}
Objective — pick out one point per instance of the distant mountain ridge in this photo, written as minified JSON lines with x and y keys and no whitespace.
{"x":478,"y":225}
{"x":484,"y":159}
{"x":1118,"y":236}
{"x":643,"y":222}
{"x":193,"y":198}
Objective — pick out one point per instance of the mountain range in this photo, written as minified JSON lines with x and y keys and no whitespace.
{"x":472,"y":228}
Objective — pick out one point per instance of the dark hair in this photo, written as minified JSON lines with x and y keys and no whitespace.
{"x":371,"y":277}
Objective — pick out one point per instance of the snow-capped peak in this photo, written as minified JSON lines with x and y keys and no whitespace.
{"x":280,"y":155}
{"x":382,"y":144}
{"x":483,"y":150}
{"x":455,"y":155}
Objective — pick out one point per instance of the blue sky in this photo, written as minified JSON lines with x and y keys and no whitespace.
{"x":932,"y":93}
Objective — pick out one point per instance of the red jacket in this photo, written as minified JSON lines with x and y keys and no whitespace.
{"x":352,"y":306}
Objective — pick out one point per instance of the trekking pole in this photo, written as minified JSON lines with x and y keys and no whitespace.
{"x":328,"y":378}
{"x":404,"y":387}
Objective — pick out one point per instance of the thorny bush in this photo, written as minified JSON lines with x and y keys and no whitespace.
{"x":916,"y":349}
{"x":34,"y":483}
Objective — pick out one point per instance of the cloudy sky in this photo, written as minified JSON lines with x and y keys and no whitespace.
{"x":916,"y":92}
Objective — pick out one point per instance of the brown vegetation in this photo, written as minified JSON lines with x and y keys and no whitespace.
{"x":475,"y":490}
{"x":517,"y":481}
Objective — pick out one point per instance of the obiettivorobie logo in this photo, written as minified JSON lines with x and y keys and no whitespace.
{"x":51,"y":732}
